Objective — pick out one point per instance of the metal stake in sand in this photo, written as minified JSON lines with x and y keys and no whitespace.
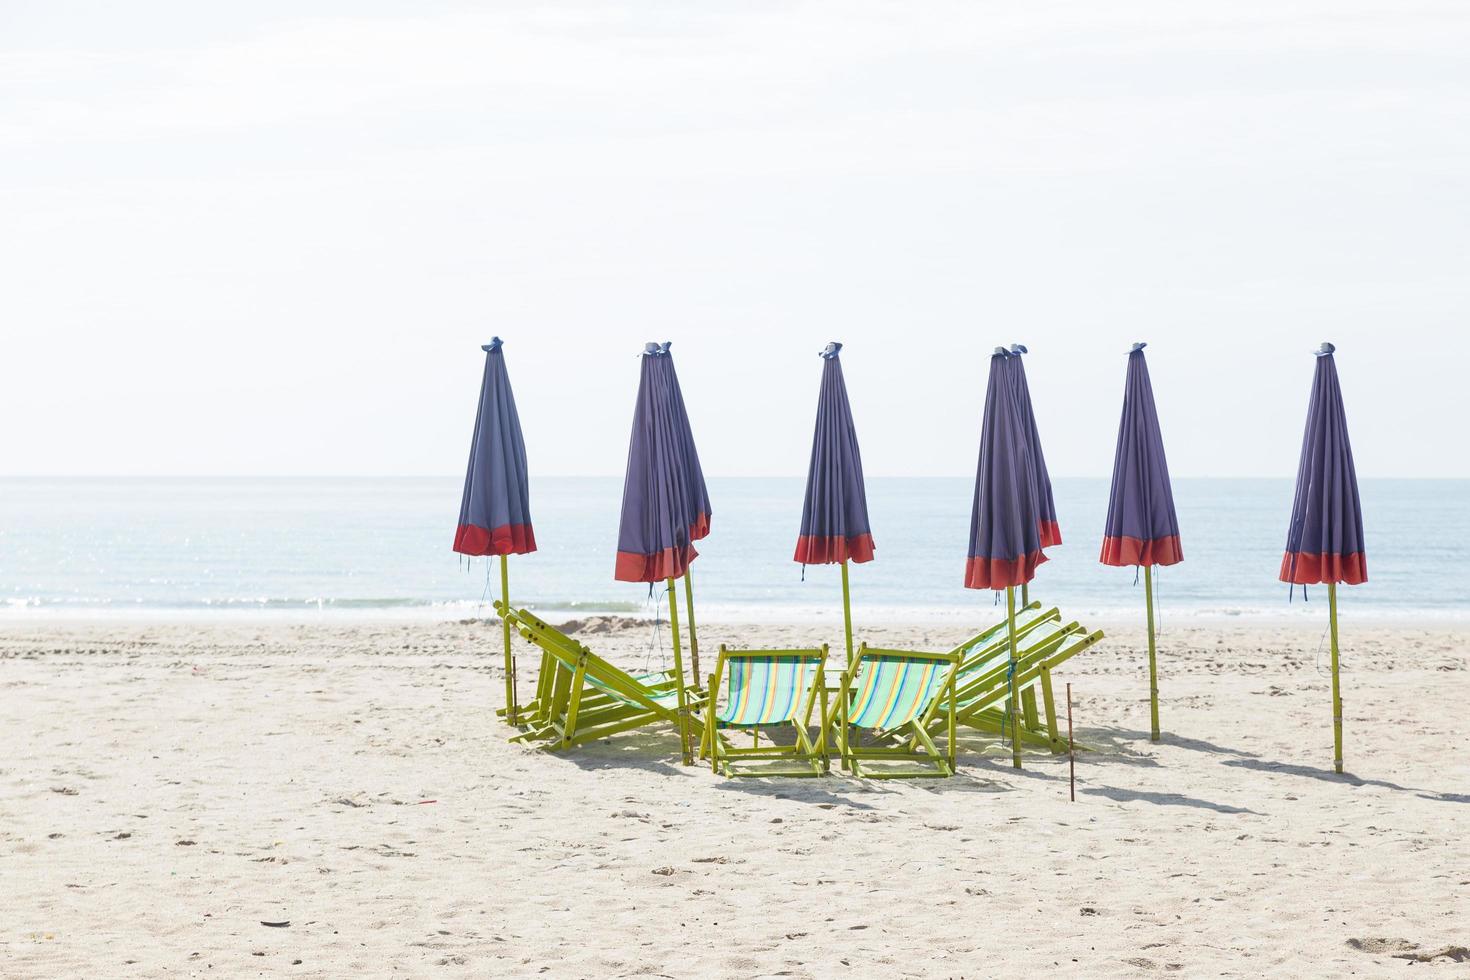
{"x":679,"y":677}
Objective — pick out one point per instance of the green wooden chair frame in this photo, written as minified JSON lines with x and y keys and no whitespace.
{"x":900,"y":718}
{"x":786,"y":672}
{"x":982,"y":696}
{"x":978,"y":649}
{"x":582,"y":697}
{"x":535,"y":714}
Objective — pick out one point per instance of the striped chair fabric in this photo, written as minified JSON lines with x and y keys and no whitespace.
{"x":765,"y":690}
{"x":997,"y":632}
{"x":893,"y":690}
{"x":1037,"y":636}
{"x":667,"y":699}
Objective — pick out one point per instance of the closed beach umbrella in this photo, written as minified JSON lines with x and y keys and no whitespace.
{"x":495,"y":513}
{"x":660,"y":515}
{"x":1005,"y":523}
{"x":834,"y":516}
{"x":1142,"y":528}
{"x":1325,"y":541}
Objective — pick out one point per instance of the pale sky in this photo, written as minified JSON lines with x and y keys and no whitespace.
{"x":269,"y":238}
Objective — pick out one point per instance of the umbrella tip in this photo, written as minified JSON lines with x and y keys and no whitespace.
{"x":1001,"y":352}
{"x":1019,"y":349}
{"x":1326,"y":348}
{"x":830,"y":351}
{"x":652,"y":349}
{"x":1138,"y":347}
{"x":493,"y":346}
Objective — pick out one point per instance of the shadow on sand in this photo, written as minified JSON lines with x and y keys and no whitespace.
{"x":1347,"y":778}
{"x":650,"y":752}
{"x":1170,"y":739}
{"x":1163,"y":799}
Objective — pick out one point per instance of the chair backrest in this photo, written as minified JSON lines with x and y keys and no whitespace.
{"x":766,"y":687}
{"x":569,"y":654}
{"x":1025,"y":620}
{"x":893,"y":687}
{"x":1049,"y":654}
{"x":1040,"y":635}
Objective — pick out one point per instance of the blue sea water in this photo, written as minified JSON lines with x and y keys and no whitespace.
{"x":305,"y":548}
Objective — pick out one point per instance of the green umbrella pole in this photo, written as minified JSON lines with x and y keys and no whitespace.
{"x":510,"y":660}
{"x":679,"y":676}
{"x":847,"y":631}
{"x":1013,"y":704}
{"x":693,"y":637}
{"x":1336,"y":691}
{"x":1025,"y":595}
{"x":1153,"y":663}
{"x":847,"y":615}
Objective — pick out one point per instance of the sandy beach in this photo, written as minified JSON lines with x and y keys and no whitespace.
{"x":169,"y":791}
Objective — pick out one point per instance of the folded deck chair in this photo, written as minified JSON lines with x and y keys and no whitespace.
{"x":982,"y":648}
{"x":766,"y":688}
{"x":583,"y":697}
{"x":534,"y":715}
{"x":887,"y":692}
{"x":983,"y":645}
{"x":983,"y":690}
{"x":987,"y":662}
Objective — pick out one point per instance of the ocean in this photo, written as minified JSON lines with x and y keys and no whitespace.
{"x":309,"y":548}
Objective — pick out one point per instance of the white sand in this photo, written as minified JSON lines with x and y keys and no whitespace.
{"x":164,"y":789}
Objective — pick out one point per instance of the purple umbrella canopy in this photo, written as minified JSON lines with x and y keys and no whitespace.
{"x":1141,"y":528}
{"x":1005,"y":523}
{"x":1325,"y":541}
{"x":665,"y":505}
{"x":1050,"y":531}
{"x":495,"y":513}
{"x":834,"y":515}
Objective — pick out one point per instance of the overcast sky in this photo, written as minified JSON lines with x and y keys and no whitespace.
{"x":269,"y":238}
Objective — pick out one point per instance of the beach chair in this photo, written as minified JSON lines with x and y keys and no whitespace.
{"x":767,"y":688}
{"x":983,"y":686}
{"x":534,"y":715}
{"x":985,"y":643}
{"x":887,"y":692}
{"x":978,"y":649}
{"x":582,"y":697}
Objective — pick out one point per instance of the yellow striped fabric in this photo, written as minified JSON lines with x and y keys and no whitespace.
{"x":893,"y":690}
{"x":997,"y":632}
{"x":667,"y":699}
{"x":1001,"y":655}
{"x":765,"y":690}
